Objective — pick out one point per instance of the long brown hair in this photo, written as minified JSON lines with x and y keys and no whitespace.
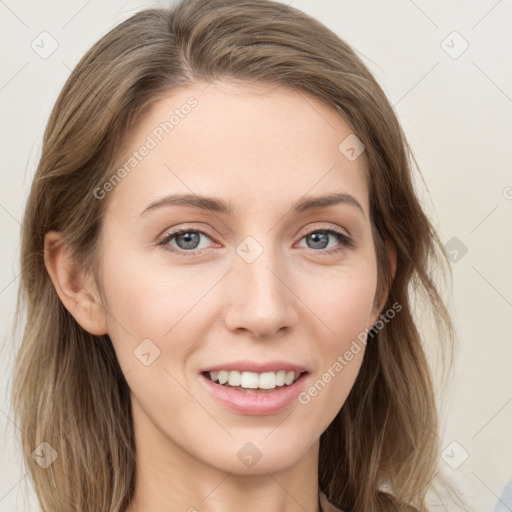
{"x":69,"y":390}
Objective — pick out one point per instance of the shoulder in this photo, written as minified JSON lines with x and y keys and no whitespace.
{"x":401,"y":507}
{"x":327,"y":506}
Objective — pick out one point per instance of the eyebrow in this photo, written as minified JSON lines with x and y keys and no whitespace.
{"x":217,"y":205}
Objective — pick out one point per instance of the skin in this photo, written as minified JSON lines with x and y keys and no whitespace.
{"x":262,"y":148}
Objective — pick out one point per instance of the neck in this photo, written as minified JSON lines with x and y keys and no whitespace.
{"x":169,"y":478}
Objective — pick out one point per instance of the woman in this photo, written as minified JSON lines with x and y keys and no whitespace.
{"x":216,"y":260}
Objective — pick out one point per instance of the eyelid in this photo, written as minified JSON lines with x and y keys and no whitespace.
{"x":319,"y":227}
{"x":184,"y":227}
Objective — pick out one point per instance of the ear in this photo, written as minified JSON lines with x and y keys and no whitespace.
{"x":392,"y":257}
{"x":74,"y":288}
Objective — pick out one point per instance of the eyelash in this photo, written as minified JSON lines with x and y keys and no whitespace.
{"x":345,"y":241}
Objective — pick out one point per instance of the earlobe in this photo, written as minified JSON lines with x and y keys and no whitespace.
{"x":68,"y":280}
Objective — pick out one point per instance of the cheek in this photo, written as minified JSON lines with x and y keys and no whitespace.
{"x":343,"y":301}
{"x":163,"y":303}
{"x":139,"y":294}
{"x":350,"y":315}
{"x":345,"y":310}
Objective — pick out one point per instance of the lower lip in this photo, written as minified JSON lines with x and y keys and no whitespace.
{"x":255,"y":403}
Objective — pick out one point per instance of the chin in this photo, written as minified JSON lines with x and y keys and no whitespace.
{"x":258,"y":457}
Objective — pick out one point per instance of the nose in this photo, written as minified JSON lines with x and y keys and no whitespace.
{"x":261,"y":301}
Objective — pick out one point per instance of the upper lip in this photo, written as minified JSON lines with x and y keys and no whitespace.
{"x":256,"y":367}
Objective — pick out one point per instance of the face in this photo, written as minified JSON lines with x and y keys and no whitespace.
{"x":256,"y":286}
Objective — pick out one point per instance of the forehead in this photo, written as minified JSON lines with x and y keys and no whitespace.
{"x":251,"y":142}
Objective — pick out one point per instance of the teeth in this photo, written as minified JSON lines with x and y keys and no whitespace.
{"x":234,"y":378}
{"x":249,"y":380}
{"x":280,"y":377}
{"x":252,"y":380}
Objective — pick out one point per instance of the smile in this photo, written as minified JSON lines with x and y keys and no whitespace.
{"x":252,"y":380}
{"x":252,"y":393}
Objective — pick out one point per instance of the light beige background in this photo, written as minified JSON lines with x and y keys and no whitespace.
{"x":456,"y":109}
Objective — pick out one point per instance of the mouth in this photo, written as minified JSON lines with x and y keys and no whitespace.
{"x":252,"y":382}
{"x":254,"y":394}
